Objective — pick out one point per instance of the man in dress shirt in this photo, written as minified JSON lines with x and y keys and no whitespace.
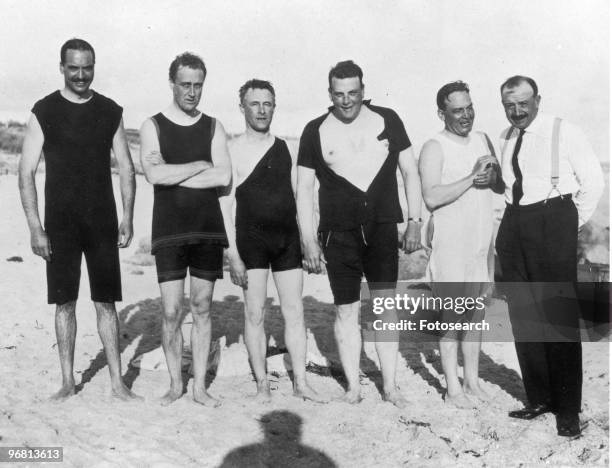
{"x":537,"y":243}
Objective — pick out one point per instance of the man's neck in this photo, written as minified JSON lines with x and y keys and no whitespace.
{"x":179,"y":116}
{"x":253,"y":135}
{"x":71,"y":96}
{"x":462,"y":140}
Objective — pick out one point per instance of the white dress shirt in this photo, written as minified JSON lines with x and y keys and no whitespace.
{"x":579,"y":169}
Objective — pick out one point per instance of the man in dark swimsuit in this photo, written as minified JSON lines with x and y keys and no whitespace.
{"x":265,"y":235}
{"x":76,"y":129}
{"x":354,"y":151}
{"x":184,"y":155}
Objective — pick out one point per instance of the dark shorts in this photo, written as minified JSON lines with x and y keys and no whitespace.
{"x":371,"y":251}
{"x":205,"y":261}
{"x":269,"y":247}
{"x":68,"y":244}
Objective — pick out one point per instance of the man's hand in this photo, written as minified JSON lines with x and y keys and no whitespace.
{"x":486,"y":178}
{"x":154,"y":158}
{"x":238,"y":271}
{"x":314,"y":260}
{"x":126,"y":231}
{"x":40,"y":244}
{"x":483,"y":173}
{"x":412,"y":237}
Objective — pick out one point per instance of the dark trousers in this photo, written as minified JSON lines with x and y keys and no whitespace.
{"x":537,"y":249}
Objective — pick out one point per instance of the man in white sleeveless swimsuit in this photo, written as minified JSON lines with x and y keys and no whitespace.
{"x":458,"y":174}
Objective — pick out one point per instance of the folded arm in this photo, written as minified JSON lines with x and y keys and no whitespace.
{"x":436,"y":194}
{"x":157,"y":171}
{"x":219,"y":174}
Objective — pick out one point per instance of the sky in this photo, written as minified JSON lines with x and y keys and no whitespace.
{"x":408,"y":49}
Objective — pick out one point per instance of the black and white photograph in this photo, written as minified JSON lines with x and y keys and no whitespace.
{"x":305,"y":234}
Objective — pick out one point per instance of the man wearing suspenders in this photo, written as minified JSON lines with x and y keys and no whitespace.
{"x":553,"y":183}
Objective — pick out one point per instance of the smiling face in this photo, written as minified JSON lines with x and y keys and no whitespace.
{"x":78,"y":71}
{"x":458,"y":115}
{"x":187,"y":88}
{"x":346,"y":95}
{"x":258,"y":109}
{"x":520,"y":105}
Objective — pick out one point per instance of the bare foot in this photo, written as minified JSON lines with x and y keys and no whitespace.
{"x":396,"y":397}
{"x":459,"y":401}
{"x":351,"y":397}
{"x":63,"y":393}
{"x":202,"y":397}
{"x":171,"y":396}
{"x":263,"y":394}
{"x":306,"y":392}
{"x":125,"y":394}
{"x":477,"y":392}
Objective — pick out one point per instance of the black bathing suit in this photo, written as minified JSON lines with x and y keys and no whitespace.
{"x":357,"y":229}
{"x":266,"y":227}
{"x":80,"y":212}
{"x":188,"y":228}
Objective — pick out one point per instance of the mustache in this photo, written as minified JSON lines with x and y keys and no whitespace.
{"x":77,"y":80}
{"x":518,"y":117}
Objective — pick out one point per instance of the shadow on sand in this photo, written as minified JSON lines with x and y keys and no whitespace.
{"x":141,"y":322}
{"x":281,"y":446}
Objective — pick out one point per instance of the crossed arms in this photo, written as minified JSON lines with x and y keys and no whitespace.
{"x":197,"y":174}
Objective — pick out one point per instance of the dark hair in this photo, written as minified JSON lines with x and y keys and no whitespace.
{"x":255,"y":84}
{"x":516,"y":80}
{"x":186,"y":59}
{"x":76,"y":44}
{"x":345,"y":69}
{"x":445,"y":91}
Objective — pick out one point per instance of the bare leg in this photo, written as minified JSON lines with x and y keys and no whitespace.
{"x":387,"y":347}
{"x":65,"y":332}
{"x":172,"y":336}
{"x":200,"y":301}
{"x":348,"y":337}
{"x":448,"y":355}
{"x":470,"y":346}
{"x":108,"y":329}
{"x":254,"y":332}
{"x":289,"y":286}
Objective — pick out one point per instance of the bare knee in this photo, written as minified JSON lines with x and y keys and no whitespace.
{"x":449,"y":345}
{"x":293,"y":313}
{"x":172,"y":316}
{"x":347,"y":314}
{"x":254,"y":315}
{"x":200,"y":307}
{"x":105,"y":309}
{"x":66,"y":309}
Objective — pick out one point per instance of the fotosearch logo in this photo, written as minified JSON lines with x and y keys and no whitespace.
{"x":412,"y":304}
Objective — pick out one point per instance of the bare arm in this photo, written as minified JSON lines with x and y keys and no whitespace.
{"x":228,"y":201}
{"x":412,"y":188}
{"x":220,"y":173}
{"x":435,"y":193}
{"x":155,"y":168}
{"x":127,"y":184}
{"x":30,"y":158}
{"x":313,"y":256}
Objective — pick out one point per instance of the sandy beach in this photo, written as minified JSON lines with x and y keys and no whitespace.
{"x":95,"y":430}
